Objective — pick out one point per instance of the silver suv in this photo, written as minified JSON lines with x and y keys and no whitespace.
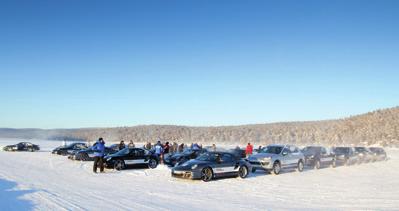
{"x":276,"y":157}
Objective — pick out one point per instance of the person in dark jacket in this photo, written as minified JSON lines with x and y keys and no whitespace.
{"x":122,"y":145}
{"x":166,"y":148}
{"x":99,"y":149}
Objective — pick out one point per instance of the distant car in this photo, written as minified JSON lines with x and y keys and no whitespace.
{"x":276,"y":157}
{"x":131,"y":157}
{"x":345,"y":156}
{"x":211,"y":165}
{"x":364,"y":155}
{"x":23,"y":146}
{"x":181,"y":157}
{"x":318,"y":157}
{"x":69,"y":149}
{"x":88,"y":154}
{"x":378,"y":153}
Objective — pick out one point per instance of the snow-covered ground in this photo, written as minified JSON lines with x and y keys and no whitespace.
{"x":43,"y":181}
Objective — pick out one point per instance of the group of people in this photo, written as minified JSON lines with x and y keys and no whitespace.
{"x":159,"y":149}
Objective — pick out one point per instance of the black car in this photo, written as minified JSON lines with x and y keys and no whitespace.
{"x":69,"y":149}
{"x":378,"y":153}
{"x":88,"y":154}
{"x":212,"y":165}
{"x":23,"y":146}
{"x":181,"y":157}
{"x":363,"y":154}
{"x":131,"y":157}
{"x":318,"y":157}
{"x":345,"y":155}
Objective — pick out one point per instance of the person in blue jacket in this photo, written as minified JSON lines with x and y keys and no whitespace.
{"x":99,"y":149}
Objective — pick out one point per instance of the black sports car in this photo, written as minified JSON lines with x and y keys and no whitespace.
{"x":181,"y":157}
{"x":23,"y":146}
{"x":345,"y":156}
{"x":131,"y":157}
{"x":88,"y":154}
{"x":378,"y":153}
{"x":212,"y":165}
{"x":69,"y":149}
{"x":318,"y":157}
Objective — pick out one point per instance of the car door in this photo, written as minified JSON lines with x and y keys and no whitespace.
{"x":296,"y":156}
{"x":325,"y":156}
{"x":287,"y":157}
{"x":135,"y":157}
{"x":226,"y":165}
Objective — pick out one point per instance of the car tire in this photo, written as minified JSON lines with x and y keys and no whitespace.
{"x":84,"y":157}
{"x":31,"y":150}
{"x":206,"y":174}
{"x":300,"y":166}
{"x":152,"y":163}
{"x":334,"y":163}
{"x":276,"y":168}
{"x":253,"y":170}
{"x":243,"y":171}
{"x":317,"y":164}
{"x":119,"y":165}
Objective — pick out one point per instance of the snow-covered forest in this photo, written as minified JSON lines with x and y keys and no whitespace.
{"x":378,"y":127}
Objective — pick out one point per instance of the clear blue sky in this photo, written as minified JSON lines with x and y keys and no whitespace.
{"x":70,"y":63}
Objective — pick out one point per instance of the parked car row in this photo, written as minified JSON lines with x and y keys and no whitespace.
{"x":207,"y":164}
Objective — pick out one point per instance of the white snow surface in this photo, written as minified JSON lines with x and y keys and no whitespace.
{"x":42,"y":181}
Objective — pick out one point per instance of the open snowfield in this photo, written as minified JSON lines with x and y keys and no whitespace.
{"x":43,"y":181}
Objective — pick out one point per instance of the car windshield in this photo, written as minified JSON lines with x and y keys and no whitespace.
{"x":311,"y":150}
{"x":272,"y":149}
{"x":207,"y":157}
{"x":123,"y":151}
{"x":341,"y":150}
{"x":360,"y":149}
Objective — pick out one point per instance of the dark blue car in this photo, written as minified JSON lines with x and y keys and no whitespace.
{"x":213,"y":165}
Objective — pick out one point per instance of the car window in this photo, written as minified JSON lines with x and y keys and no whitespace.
{"x":137,"y":152}
{"x":286,"y":150}
{"x":323,"y":151}
{"x":226,"y":158}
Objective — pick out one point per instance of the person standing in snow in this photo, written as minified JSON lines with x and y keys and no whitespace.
{"x":166,"y":148}
{"x":99,"y":148}
{"x":214,"y":147}
{"x":122,"y":145}
{"x":181,"y":147}
{"x":131,"y":144}
{"x":158,"y":149}
{"x":249,"y":149}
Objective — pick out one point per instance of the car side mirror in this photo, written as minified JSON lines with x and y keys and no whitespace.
{"x":285,"y":153}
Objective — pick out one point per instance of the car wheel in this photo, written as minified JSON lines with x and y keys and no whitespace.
{"x":276,"y":168}
{"x":85,"y":157}
{"x":119,"y":165}
{"x":152,"y":163}
{"x":317,"y":164}
{"x":300,"y":166}
{"x":334,"y":163}
{"x":346,"y":162}
{"x":206,"y":174}
{"x":31,"y":149}
{"x":253,"y":170}
{"x":243,"y":171}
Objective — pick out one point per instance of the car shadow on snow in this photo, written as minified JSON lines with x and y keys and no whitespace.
{"x":11,"y":199}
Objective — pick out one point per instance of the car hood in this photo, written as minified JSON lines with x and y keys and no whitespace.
{"x":262,"y":155}
{"x":190,"y":163}
{"x":11,"y":145}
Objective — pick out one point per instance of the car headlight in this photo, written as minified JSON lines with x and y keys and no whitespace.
{"x":266,"y":159}
{"x":194,"y":166}
{"x":108,"y":159}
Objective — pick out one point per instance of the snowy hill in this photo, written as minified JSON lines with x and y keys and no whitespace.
{"x":379,"y":127}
